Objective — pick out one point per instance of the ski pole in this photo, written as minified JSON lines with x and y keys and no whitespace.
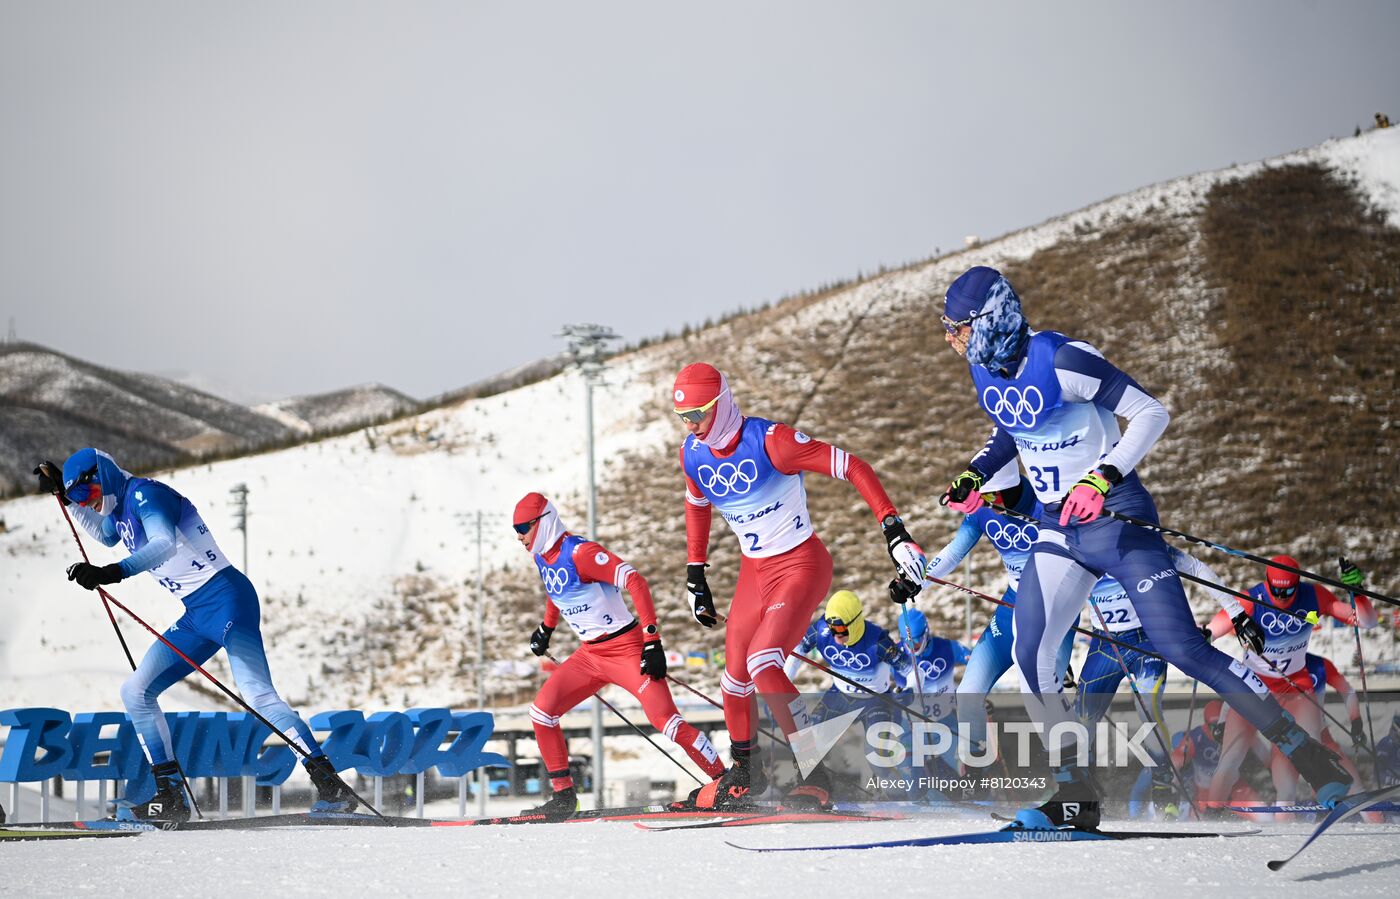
{"x":82,"y":550}
{"x":1305,"y":694}
{"x":1361,"y":662}
{"x":767,"y":733}
{"x":863,"y":688}
{"x":1239,"y":553}
{"x":1154,"y":720}
{"x":229,"y":693}
{"x":1191,"y":716}
{"x":612,"y":708}
{"x":1308,"y":617}
{"x":1076,"y":628}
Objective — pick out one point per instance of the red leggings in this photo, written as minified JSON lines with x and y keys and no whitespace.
{"x":773,"y":605}
{"x":592,"y":667}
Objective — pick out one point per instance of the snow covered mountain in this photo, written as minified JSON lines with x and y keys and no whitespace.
{"x":339,"y":409}
{"x":1258,"y":302}
{"x":51,"y":402}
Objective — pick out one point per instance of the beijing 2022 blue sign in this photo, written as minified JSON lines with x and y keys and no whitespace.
{"x":44,"y":743}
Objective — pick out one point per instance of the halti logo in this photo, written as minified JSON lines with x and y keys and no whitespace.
{"x":1147,"y":583}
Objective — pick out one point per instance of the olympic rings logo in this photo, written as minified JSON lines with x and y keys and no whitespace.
{"x":729,"y":478}
{"x":844,"y":658}
{"x":1276,"y":623}
{"x":555,"y":579}
{"x":1008,"y":535}
{"x":1014,"y":406}
{"x":933,"y":667}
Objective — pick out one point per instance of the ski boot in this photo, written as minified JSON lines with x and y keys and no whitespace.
{"x":168,"y":804}
{"x":734,"y":789}
{"x":811,"y":794}
{"x":1164,"y":799}
{"x":562,"y":806}
{"x":332,"y":793}
{"x":1075,"y":804}
{"x":1318,"y":765}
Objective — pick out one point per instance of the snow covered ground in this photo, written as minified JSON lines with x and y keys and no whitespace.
{"x":614,"y":859}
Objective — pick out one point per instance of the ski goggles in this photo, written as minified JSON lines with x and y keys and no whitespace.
{"x":838,"y":627}
{"x":86,"y":489}
{"x":524,"y":527}
{"x":953,"y":327}
{"x":1283,"y":592}
{"x":697,"y":415}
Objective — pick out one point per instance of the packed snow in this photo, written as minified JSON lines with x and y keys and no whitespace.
{"x":612,"y":859}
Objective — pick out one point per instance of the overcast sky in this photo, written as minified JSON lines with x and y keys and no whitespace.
{"x":283,"y":198}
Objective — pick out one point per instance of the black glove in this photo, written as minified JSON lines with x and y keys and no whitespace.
{"x":1248,"y":632}
{"x":1206,"y":632}
{"x":89,"y":577}
{"x":1358,"y":732}
{"x":902,"y":590}
{"x":653,"y":659}
{"x":539,"y":640}
{"x":51,"y":480}
{"x":702,"y":601}
{"x":1069,"y":683}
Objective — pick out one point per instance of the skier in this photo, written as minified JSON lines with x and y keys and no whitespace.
{"x":931,"y":678}
{"x":1324,"y":674}
{"x":165,"y":536}
{"x":1284,"y":611}
{"x":1012,"y":538}
{"x":583,"y":583}
{"x":751,"y":469}
{"x":1388,"y":755}
{"x":1103,"y":669}
{"x":1055,"y":403}
{"x":859,"y":650}
{"x":1197,"y":757}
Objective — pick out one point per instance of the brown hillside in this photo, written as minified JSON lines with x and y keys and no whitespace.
{"x":1265,"y":322}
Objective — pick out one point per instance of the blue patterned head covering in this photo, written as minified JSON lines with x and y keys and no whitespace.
{"x":91,"y":466}
{"x":999,"y":329}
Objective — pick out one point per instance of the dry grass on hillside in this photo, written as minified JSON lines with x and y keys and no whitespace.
{"x":1266,"y":323}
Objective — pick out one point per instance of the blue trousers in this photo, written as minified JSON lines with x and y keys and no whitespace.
{"x":222,"y":613}
{"x":1063,"y":566}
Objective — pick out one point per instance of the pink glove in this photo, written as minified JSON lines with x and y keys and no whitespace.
{"x":1085,"y":500}
{"x":973,"y":502}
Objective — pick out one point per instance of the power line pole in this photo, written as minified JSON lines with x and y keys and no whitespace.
{"x":588,"y":345}
{"x":240,"y":521}
{"x":480,"y":519}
